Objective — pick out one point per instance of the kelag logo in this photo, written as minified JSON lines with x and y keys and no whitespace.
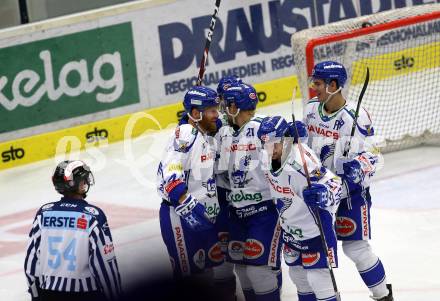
{"x":67,"y":76}
{"x":247,"y":32}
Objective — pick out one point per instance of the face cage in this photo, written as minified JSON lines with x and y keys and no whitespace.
{"x":89,"y":181}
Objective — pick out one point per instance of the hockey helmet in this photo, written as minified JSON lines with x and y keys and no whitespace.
{"x":243,"y":95}
{"x":68,"y":176}
{"x":328,"y":71}
{"x":272,"y":129}
{"x":200,"y":97}
{"x":226,"y":82}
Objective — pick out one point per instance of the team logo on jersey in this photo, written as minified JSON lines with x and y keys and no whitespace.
{"x":199,"y":259}
{"x":310,"y":259}
{"x":327,"y":152}
{"x":345,"y":226}
{"x":47,"y":206}
{"x":235,"y":250}
{"x":239,"y":174}
{"x":92,"y":210}
{"x":215,"y":253}
{"x":211,"y":187}
{"x":253,"y":249}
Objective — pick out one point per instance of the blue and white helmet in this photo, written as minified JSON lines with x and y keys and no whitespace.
{"x":200,"y":97}
{"x":226,"y":82}
{"x":243,"y":95}
{"x":328,"y":71}
{"x":272,"y":129}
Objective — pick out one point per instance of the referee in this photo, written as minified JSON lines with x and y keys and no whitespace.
{"x":70,"y":255}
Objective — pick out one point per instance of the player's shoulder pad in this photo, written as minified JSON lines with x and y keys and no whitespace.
{"x":95,"y":212}
{"x":364,"y":122}
{"x":47,"y":207}
{"x":184,"y":137}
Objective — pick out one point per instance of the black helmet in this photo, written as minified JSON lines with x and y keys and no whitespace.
{"x":69,"y":174}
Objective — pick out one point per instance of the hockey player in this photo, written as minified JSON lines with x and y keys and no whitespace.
{"x":70,"y":255}
{"x":298,"y":205}
{"x":224,"y":276}
{"x":254,"y":235}
{"x":187,"y":187}
{"x":329,"y":119}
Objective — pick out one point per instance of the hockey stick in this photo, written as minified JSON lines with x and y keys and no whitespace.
{"x":309,"y":185}
{"x":205,"y":54}
{"x":208,"y":43}
{"x":356,"y":115}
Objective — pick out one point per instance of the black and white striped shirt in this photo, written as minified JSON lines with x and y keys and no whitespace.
{"x":71,"y":250}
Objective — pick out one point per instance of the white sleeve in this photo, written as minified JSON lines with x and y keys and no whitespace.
{"x":321,"y":175}
{"x":364,"y":146}
{"x":171,"y":172}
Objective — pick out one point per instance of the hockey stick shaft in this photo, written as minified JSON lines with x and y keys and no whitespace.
{"x":318,"y":217}
{"x":356,"y":115}
{"x":208,"y":43}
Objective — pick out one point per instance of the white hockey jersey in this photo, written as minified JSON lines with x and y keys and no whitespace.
{"x":287,"y":184}
{"x":329,"y":135}
{"x":189,"y":158}
{"x":240,"y":154}
{"x":221,"y":167}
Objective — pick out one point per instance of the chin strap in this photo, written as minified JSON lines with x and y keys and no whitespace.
{"x":196,"y":122}
{"x":232,"y":115}
{"x":331,"y":93}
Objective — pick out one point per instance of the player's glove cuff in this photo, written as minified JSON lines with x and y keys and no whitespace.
{"x":194,"y":214}
{"x":175,"y":190}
